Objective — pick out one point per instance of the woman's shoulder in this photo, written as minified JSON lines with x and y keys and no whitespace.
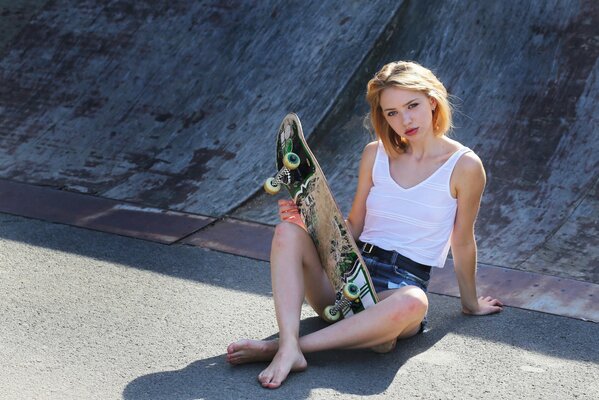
{"x":370,"y":149}
{"x":369,"y":155}
{"x":469,"y":169}
{"x":469,"y":165}
{"x":372,"y":145}
{"x":468,"y":159}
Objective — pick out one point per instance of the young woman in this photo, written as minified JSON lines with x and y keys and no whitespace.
{"x":418,"y":194}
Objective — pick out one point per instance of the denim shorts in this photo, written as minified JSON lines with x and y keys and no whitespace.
{"x":386,"y":276}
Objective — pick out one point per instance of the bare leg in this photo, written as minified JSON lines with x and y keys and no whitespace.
{"x":398,"y":315}
{"x":294,"y":262}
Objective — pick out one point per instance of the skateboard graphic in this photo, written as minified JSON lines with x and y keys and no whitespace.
{"x":300,"y":173}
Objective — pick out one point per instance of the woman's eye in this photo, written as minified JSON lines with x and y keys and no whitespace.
{"x":413,"y":105}
{"x":391,"y":113}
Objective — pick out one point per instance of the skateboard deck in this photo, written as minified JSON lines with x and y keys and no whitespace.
{"x":308,"y":187}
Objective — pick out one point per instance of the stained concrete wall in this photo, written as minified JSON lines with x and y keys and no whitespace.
{"x":526,"y":74}
{"x":171,"y":103}
{"x":525,"y":80}
{"x":155,"y":104}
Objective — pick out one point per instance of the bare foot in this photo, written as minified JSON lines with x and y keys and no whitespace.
{"x":247,"y":351}
{"x":288,"y":359}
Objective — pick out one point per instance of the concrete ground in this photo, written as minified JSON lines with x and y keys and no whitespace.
{"x":90,"y":315}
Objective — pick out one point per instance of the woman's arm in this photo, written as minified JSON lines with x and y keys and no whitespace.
{"x":468,"y":185}
{"x":355,"y":220}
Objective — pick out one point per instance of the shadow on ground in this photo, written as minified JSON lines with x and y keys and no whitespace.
{"x":341,"y":371}
{"x":363,"y":373}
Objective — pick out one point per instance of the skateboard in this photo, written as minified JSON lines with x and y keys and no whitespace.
{"x":300,"y":174}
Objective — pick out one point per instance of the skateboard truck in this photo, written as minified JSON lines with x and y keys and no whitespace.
{"x":350,"y":293}
{"x":290,"y":162}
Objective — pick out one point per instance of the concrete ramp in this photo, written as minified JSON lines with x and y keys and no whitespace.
{"x":525,"y":77}
{"x":172,"y":104}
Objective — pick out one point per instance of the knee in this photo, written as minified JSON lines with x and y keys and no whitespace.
{"x":285,"y":233}
{"x":286,"y":229}
{"x":410,"y":303}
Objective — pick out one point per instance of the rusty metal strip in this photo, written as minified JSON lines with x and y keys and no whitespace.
{"x":238,"y":237}
{"x":96,"y":213}
{"x":531,"y":291}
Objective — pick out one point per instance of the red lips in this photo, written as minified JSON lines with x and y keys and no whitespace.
{"x":411,"y":132}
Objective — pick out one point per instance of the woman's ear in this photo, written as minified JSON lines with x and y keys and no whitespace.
{"x":433,"y":103}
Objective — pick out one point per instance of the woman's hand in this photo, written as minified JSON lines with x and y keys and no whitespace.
{"x":486,"y":305}
{"x":289,"y":212}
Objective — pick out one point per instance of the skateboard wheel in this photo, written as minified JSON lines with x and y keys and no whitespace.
{"x":291,"y":161}
{"x":331,"y":315}
{"x":351,"y":291}
{"x":271,"y":186}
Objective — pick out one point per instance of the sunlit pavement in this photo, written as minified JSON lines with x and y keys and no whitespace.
{"x":99,"y":316}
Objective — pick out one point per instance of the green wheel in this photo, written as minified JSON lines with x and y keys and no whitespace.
{"x":291,"y":161}
{"x":271,"y":186}
{"x":351,"y":291}
{"x":329,"y":316}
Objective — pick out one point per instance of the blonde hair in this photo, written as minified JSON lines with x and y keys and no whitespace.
{"x":411,"y":76}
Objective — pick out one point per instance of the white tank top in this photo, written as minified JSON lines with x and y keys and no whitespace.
{"x":416,"y":222}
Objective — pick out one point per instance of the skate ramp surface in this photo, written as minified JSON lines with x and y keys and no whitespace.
{"x":175,"y":104}
{"x":525,"y":80}
{"x":170,"y":104}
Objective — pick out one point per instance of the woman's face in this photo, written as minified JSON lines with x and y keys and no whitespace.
{"x":408,"y":112}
